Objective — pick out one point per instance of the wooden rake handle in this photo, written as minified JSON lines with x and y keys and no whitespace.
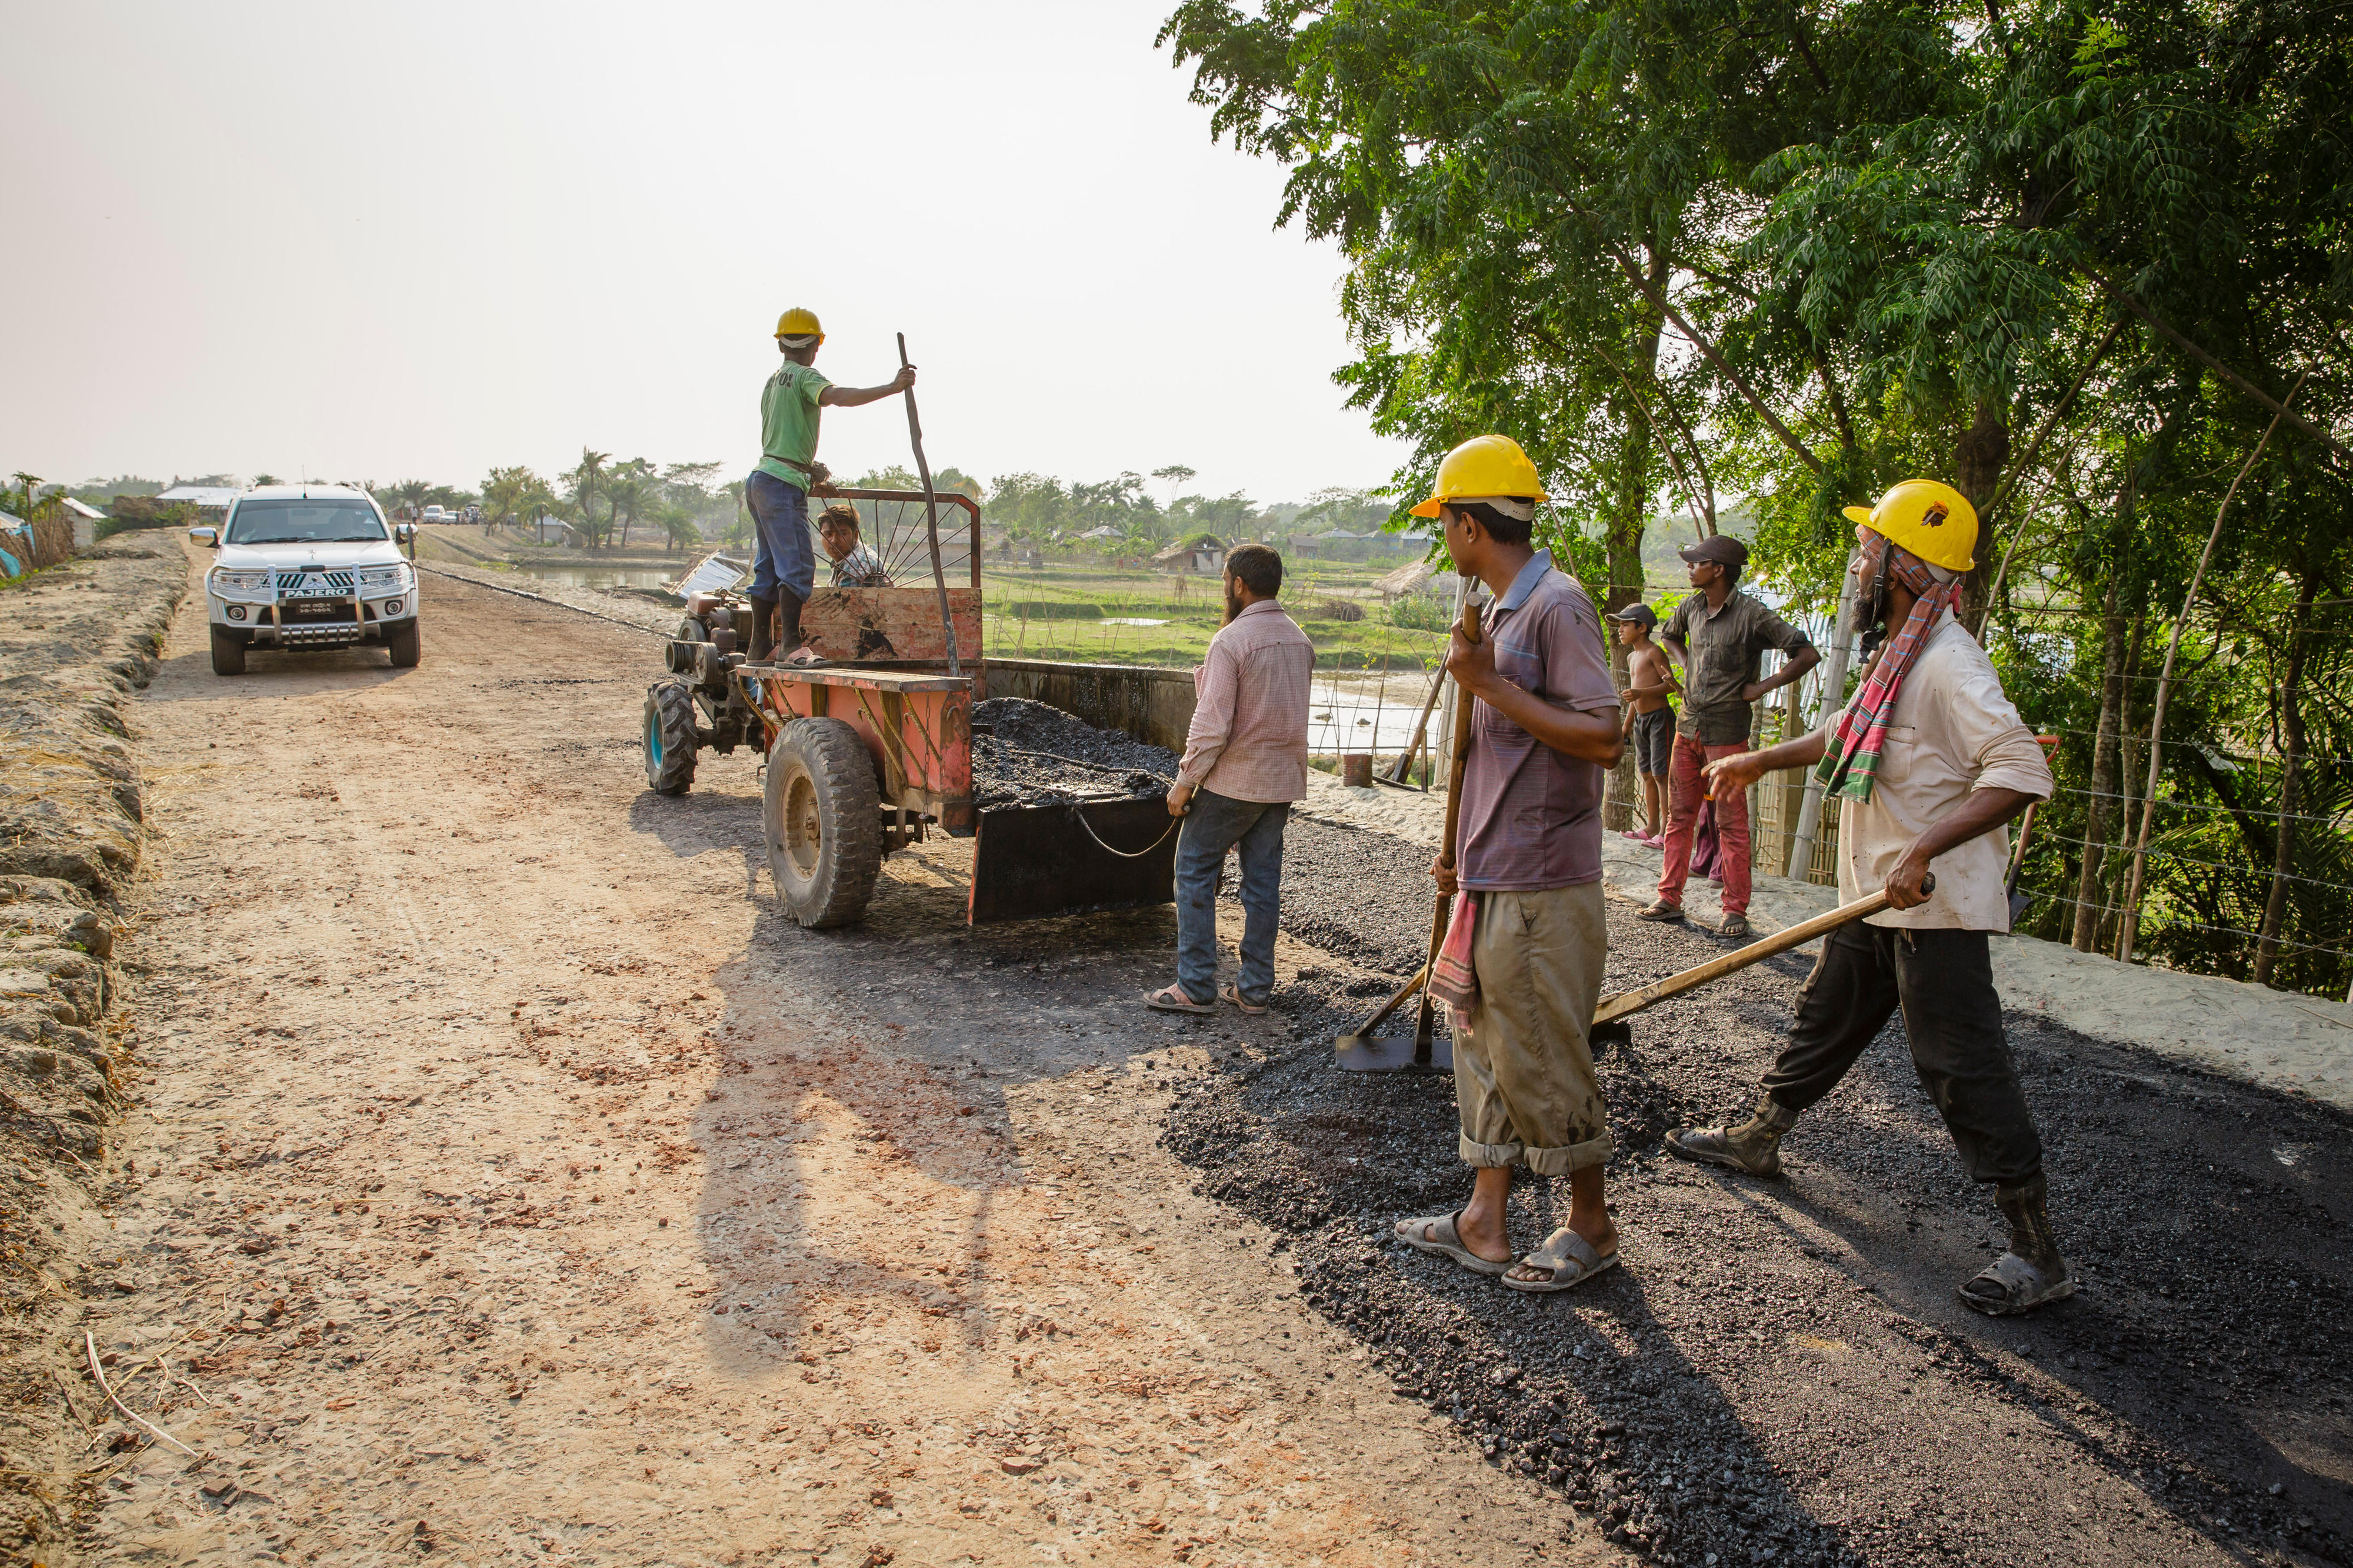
{"x":1612,"y":1008}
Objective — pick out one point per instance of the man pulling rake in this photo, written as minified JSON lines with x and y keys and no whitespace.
{"x":1929,"y":761}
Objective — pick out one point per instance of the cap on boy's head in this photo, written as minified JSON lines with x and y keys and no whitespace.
{"x":1724,"y":549}
{"x":1641,"y":615}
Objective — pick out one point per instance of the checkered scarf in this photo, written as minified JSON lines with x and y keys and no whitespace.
{"x":1852,"y":758}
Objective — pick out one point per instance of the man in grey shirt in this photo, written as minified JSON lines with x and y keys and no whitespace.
{"x":1718,"y":635}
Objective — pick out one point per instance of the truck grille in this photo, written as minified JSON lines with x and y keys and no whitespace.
{"x":290,"y":583}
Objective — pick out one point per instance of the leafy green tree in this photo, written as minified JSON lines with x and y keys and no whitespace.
{"x":585,"y":481}
{"x":631,"y":490}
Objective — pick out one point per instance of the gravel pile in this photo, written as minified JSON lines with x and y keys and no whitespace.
{"x":1024,"y":753}
{"x":1670,"y":1398}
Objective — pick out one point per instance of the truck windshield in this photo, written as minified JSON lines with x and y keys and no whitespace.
{"x":304,"y":523}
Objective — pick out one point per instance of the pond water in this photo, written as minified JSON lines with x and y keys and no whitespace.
{"x":601,"y":576}
{"x":1359,"y":713}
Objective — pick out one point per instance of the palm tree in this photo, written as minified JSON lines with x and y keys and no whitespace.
{"x":627,"y":491}
{"x":587,"y":482}
{"x":679,"y":526}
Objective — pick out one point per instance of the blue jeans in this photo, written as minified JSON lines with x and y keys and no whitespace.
{"x":781,"y":554}
{"x":1213,"y":826}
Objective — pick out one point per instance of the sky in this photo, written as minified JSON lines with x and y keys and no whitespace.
{"x":420,"y":240}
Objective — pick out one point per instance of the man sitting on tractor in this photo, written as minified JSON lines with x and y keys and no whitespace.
{"x":854,"y":565}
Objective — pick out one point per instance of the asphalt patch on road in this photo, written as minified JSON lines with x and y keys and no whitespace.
{"x":1781,"y":1373}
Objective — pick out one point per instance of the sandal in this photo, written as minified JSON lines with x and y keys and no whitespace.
{"x":2010,"y":1285}
{"x":1172,"y":999}
{"x":1444,"y":1241}
{"x":1662,"y":911}
{"x":803,"y":659}
{"x":1233,"y":993}
{"x":1568,"y":1258}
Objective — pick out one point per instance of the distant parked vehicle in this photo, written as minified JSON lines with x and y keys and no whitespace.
{"x":308,"y":566}
{"x":436,"y":514}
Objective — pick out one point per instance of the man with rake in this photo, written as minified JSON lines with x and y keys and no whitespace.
{"x":1929,"y":761}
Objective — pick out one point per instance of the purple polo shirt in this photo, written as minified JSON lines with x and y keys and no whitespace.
{"x":1531,"y":819}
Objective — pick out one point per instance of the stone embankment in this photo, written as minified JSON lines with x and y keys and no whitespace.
{"x":76,"y":641}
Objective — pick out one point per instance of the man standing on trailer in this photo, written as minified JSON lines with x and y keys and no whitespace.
{"x":1929,"y":761}
{"x":1543,"y":717}
{"x":1718,"y":635}
{"x":784,"y":564}
{"x":1245,"y":762}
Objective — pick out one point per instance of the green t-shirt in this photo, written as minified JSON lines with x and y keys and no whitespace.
{"x":788,"y":413}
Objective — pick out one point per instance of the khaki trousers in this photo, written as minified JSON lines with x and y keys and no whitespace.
{"x":1523,"y":1079}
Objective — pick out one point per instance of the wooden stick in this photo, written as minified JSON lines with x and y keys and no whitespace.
{"x":1425,"y":1020}
{"x":1612,"y":1008}
{"x":90,"y":1344}
{"x":1385,"y":1009}
{"x":1429,"y":704}
{"x":931,"y":514}
{"x":2165,"y":678}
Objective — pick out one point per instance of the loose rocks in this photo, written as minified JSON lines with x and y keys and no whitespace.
{"x":1781,"y":1373}
{"x":1024,"y":751}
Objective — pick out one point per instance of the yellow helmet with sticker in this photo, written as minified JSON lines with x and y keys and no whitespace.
{"x":1930,"y":519}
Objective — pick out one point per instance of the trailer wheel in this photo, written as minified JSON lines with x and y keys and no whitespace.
{"x":228,"y":654}
{"x":670,"y":737}
{"x":823,"y":815}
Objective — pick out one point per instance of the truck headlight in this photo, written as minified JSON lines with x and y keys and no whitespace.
{"x":226,"y":581}
{"x":383,"y":577}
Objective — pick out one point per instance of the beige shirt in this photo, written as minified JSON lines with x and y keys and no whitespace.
{"x":1249,"y":735}
{"x":1953,"y":731}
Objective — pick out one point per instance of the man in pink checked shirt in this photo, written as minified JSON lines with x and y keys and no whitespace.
{"x":1245,"y":762}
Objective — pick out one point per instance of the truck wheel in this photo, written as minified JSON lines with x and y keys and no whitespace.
{"x":669,"y":738}
{"x":228,"y":654}
{"x":404,"y":643}
{"x":823,"y":816}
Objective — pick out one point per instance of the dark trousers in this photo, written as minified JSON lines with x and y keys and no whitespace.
{"x":1944,"y":982}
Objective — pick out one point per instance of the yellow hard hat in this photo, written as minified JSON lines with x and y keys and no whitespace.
{"x":1483,"y":466}
{"x":799,"y":323}
{"x":1933,"y":521}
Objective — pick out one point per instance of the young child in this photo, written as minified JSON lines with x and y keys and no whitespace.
{"x":1650,"y":719}
{"x":854,"y":565}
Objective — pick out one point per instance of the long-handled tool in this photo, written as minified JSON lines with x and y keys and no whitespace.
{"x":1361,"y":1051}
{"x":930,"y":513}
{"x":1610,"y":1015}
{"x":1420,"y":730}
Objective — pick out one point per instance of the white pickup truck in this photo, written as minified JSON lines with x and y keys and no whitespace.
{"x":308,"y":566}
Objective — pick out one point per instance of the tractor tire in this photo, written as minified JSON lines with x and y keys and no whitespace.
{"x":405,"y":644}
{"x":228,"y":654}
{"x":670,"y":737}
{"x":823,"y":820}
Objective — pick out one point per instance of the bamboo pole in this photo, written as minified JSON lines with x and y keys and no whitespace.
{"x":2164,"y":682}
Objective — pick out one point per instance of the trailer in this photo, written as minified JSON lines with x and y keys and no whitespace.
{"x":872,"y":751}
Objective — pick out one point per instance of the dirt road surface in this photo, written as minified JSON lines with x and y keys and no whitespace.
{"x":511,"y":1182}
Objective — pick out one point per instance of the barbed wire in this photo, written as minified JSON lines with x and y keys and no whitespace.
{"x":2249,"y":867}
{"x":2193,"y":806}
{"x":2257,"y":757}
{"x":2179,"y":924}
